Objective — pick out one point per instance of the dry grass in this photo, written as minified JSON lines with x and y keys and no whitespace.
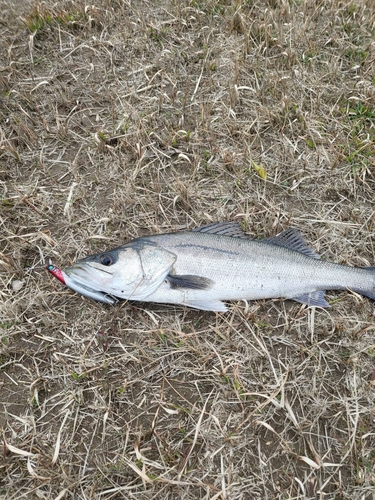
{"x":120,"y":118}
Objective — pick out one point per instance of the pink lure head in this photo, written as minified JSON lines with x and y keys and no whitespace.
{"x":56,"y":272}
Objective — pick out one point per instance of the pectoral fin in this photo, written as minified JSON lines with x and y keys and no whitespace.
{"x":189,"y":281}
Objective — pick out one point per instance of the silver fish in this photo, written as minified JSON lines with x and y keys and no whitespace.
{"x":203,"y":267}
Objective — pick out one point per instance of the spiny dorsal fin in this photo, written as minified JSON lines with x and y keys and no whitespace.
{"x":222,"y":228}
{"x":291,"y":238}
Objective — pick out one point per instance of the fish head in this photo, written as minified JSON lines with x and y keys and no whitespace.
{"x":60,"y":275}
{"x":132,"y":271}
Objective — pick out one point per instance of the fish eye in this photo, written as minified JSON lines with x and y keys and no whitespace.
{"x":106,"y":260}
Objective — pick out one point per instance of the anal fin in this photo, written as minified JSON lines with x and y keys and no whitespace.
{"x":316,"y":299}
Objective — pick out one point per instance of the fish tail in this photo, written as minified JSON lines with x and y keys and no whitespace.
{"x":368,"y":292}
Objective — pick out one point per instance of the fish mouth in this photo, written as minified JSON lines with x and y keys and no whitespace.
{"x":67,"y":277}
{"x":89,"y":292}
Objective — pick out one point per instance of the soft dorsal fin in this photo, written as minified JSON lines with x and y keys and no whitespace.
{"x":291,"y":238}
{"x":222,"y":228}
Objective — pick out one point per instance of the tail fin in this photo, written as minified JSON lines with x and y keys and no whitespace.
{"x":370,"y":293}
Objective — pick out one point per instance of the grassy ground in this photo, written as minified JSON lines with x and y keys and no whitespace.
{"x":122,"y":118}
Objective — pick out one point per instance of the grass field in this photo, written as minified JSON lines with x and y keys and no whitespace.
{"x":123,"y":118}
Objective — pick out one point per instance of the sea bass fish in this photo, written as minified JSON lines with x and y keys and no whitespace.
{"x":212,"y":263}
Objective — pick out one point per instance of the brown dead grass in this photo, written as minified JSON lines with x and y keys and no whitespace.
{"x":120,"y":118}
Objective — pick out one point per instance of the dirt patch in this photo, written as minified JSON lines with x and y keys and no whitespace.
{"x":119,"y":119}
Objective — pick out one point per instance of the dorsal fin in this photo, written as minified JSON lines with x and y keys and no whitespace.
{"x":291,"y":238}
{"x":222,"y":228}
